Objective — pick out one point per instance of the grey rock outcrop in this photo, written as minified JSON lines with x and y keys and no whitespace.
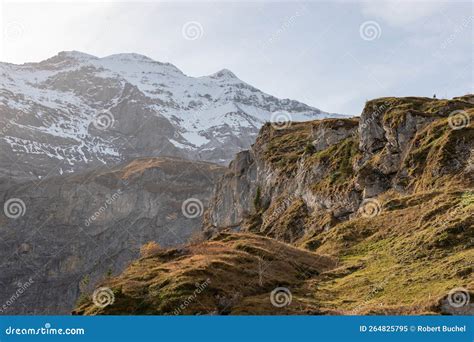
{"x":234,"y":197}
{"x":310,"y":176}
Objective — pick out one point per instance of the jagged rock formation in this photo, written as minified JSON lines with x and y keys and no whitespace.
{"x":323,"y":170}
{"x":389,"y":197}
{"x":75,"y":111}
{"x":76,"y":229}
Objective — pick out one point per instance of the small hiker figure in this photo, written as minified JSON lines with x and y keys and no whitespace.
{"x":434,"y":96}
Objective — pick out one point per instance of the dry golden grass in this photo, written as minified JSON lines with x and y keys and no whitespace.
{"x":241,"y":269}
{"x":150,"y":249}
{"x":169,"y":165}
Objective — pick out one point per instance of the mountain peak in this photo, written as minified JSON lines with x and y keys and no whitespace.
{"x":77,"y":55}
{"x":66,"y":57}
{"x":201,"y":117}
{"x":129,"y":57}
{"x":137,"y":59}
{"x":224,"y":74}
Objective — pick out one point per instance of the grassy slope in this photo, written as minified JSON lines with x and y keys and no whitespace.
{"x":404,"y":260}
{"x":239,"y":269}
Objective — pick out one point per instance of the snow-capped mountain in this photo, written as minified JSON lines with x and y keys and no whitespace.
{"x":75,"y":110}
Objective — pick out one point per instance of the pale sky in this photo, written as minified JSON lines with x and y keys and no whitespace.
{"x":332,"y":55}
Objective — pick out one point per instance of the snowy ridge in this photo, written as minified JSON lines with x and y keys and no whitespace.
{"x":48,"y":108}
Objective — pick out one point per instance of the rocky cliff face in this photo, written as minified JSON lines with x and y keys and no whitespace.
{"x":66,"y":233}
{"x":277,"y":177}
{"x":318,"y":174}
